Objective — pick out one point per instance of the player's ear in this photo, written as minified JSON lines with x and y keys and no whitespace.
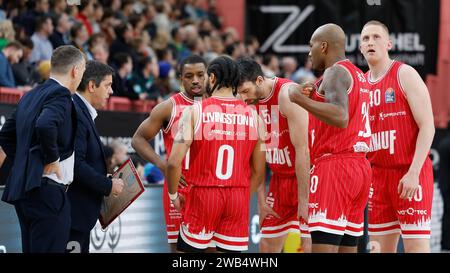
{"x":212,"y":79}
{"x":390,"y":45}
{"x":259,"y":80}
{"x":324,"y":47}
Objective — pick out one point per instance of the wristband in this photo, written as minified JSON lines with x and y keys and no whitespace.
{"x":173,"y":197}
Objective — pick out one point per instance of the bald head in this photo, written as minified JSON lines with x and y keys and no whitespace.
{"x":327,"y":45}
{"x":332,"y":34}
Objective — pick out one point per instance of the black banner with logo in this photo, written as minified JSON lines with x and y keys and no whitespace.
{"x":285,"y":26}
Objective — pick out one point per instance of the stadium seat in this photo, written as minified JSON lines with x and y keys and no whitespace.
{"x":119,"y":104}
{"x":10,"y":95}
{"x":143,"y":106}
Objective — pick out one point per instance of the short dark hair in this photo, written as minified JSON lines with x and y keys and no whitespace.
{"x":75,"y":29}
{"x":249,"y":70}
{"x":144,"y":61}
{"x":226,"y":72}
{"x":95,"y":71}
{"x":377,"y":23}
{"x":41,"y":21}
{"x":191,"y":59}
{"x":121,"y":58}
{"x":268,"y":58}
{"x":64,"y":58}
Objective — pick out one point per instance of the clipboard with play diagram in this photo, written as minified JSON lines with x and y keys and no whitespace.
{"x":112,"y":206}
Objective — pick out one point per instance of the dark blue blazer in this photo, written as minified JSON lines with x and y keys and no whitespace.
{"x":90,"y":183}
{"x":39,"y":131}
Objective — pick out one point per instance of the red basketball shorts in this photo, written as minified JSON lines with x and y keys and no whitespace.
{"x":282,"y":197}
{"x":339,"y":191}
{"x":217,"y":216}
{"x":389,"y":214}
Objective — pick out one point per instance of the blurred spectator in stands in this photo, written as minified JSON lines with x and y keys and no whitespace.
{"x":161,"y":19}
{"x":141,"y":48}
{"x":444,"y":186}
{"x":100,"y":52}
{"x":166,"y":82}
{"x":29,"y":17}
{"x":124,"y":67}
{"x":97,"y":17}
{"x":235,"y":50}
{"x":124,"y":35}
{"x":2,"y":14}
{"x":142,"y":81}
{"x":217,"y":48}
{"x":120,"y":153}
{"x":115,"y":6}
{"x":138,"y":23}
{"x":79,"y":36}
{"x":85,"y":14}
{"x":43,"y":48}
{"x":93,"y":41}
{"x":24,"y":72}
{"x":149,"y":13}
{"x":252,"y":45}
{"x":152,"y":174}
{"x":305,"y":73}
{"x":20,"y":33}
{"x":288,"y":67}
{"x":127,"y":9}
{"x":108,"y":24}
{"x":205,"y":28}
{"x":213,"y":16}
{"x":178,"y":46}
{"x":270,"y":65}
{"x":57,"y":7}
{"x":196,"y":46}
{"x":61,"y":33}
{"x":9,"y":55}
{"x":7,"y":33}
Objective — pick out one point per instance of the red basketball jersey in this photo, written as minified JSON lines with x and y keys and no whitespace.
{"x":225,"y":135}
{"x":280,"y":153}
{"x":394,"y":130}
{"x":327,"y":139}
{"x":179,"y":102}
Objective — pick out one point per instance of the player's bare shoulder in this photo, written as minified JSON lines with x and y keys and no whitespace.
{"x":163,"y":111}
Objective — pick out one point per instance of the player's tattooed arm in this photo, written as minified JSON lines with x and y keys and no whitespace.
{"x":185,"y":127}
{"x":335,"y":85}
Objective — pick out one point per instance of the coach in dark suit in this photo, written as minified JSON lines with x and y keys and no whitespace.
{"x":38,"y":140}
{"x":90,"y":182}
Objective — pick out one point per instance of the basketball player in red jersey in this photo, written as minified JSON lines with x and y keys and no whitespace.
{"x":224,"y":137}
{"x":165,"y":117}
{"x":286,"y":153}
{"x":340,"y":135}
{"x":402,"y":133}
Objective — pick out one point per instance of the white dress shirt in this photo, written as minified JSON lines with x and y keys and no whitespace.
{"x":66,"y":166}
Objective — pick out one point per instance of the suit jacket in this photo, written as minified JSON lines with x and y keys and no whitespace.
{"x":90,"y":182}
{"x":41,"y":130}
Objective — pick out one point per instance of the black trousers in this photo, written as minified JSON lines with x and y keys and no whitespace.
{"x":79,"y":241}
{"x":44,"y":219}
{"x":444,"y":185}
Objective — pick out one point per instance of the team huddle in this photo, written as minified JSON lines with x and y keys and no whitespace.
{"x":349,"y":140}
